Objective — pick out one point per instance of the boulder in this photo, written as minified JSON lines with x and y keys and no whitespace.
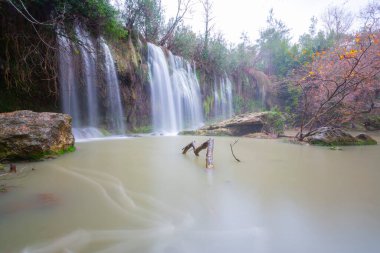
{"x":330,"y":136}
{"x":244,"y":124}
{"x":372,"y":123}
{"x":26,"y":135}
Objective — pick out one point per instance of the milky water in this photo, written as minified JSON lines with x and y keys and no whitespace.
{"x":143,"y":195}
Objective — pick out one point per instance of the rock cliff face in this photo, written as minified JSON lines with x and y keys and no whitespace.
{"x":31,"y":135}
{"x":244,"y":124}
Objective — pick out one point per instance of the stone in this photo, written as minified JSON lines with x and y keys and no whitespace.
{"x":244,"y":124}
{"x":27,"y":135}
{"x":330,"y":136}
{"x":365,"y":139}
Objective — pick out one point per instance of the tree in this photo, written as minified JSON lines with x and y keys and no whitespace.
{"x":143,"y":16}
{"x":340,"y":83}
{"x":337,"y":21}
{"x":183,"y":6}
{"x":208,"y":17}
{"x":275,"y":51}
{"x":370,"y":17}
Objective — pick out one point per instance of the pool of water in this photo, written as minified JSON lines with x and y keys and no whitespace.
{"x":143,"y":195}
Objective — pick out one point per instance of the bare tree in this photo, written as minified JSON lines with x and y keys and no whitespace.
{"x":337,"y":20}
{"x":208,"y":17}
{"x":183,"y":6}
{"x":370,"y":16}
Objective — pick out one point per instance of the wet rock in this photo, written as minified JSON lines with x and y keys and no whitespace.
{"x":30,"y":135}
{"x":364,"y":139}
{"x":329,"y":136}
{"x":244,"y":124}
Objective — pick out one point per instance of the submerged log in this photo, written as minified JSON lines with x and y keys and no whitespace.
{"x":201,"y":147}
{"x":210,"y":154}
{"x":209,"y":145}
{"x":189,"y":146}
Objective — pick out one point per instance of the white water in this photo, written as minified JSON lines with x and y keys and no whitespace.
{"x":88,"y":55}
{"x":223,"y":100}
{"x":68,"y":85}
{"x":84,"y":104}
{"x":115,"y":115}
{"x":175,"y":93}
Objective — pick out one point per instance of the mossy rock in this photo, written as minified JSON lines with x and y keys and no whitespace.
{"x":329,"y":136}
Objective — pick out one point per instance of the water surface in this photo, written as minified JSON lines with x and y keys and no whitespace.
{"x":143,"y":195}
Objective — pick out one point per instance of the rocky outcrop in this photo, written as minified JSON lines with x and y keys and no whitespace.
{"x":329,"y":136}
{"x":31,"y":135}
{"x":244,"y":124}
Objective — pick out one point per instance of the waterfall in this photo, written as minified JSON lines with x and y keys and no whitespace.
{"x":88,"y":54}
{"x":223,"y":99}
{"x":80,"y":79}
{"x":114,"y":112}
{"x":68,"y":83}
{"x":175,"y":92}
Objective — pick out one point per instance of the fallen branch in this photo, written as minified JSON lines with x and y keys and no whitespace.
{"x":232,"y":151}
{"x":201,"y":147}
{"x":190,"y":145}
{"x":210,"y":150}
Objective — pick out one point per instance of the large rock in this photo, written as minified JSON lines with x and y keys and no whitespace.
{"x":329,"y":136}
{"x":244,"y":124}
{"x":31,"y":135}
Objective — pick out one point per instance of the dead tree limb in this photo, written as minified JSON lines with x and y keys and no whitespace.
{"x":232,"y":151}
{"x":189,"y":146}
{"x":209,"y":154}
{"x":201,"y":147}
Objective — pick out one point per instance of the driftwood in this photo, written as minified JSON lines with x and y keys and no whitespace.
{"x":232,"y":151}
{"x":201,"y":147}
{"x":190,"y":145}
{"x":209,"y":154}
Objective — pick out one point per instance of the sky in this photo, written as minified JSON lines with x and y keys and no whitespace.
{"x":232,"y":17}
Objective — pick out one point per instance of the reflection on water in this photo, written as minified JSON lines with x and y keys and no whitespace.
{"x":143,"y":195}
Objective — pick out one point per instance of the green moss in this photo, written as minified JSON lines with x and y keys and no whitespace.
{"x":50,"y":154}
{"x":335,"y":144}
{"x":366,"y":142}
{"x":142,"y":130}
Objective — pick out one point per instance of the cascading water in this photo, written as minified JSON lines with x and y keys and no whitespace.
{"x":175,"y":93}
{"x":223,"y":98}
{"x":68,"y":84}
{"x":82,"y":102}
{"x":88,"y":54}
{"x":114,"y":112}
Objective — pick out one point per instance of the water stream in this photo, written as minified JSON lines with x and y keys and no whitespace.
{"x":142,"y":195}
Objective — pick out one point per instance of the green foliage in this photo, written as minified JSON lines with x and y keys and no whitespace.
{"x":239,"y":104}
{"x":207,"y":105}
{"x":185,"y":43}
{"x":277,"y":55}
{"x":142,"y":129}
{"x":276,"y":121}
{"x":99,"y":15}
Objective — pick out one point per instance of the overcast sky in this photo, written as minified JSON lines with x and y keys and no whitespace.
{"x":232,"y":17}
